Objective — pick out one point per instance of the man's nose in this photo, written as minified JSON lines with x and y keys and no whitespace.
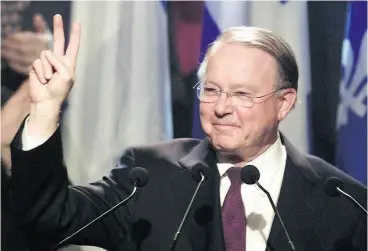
{"x":223,"y":105}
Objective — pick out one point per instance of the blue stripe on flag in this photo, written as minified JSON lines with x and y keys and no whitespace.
{"x":352,"y":110}
{"x":210,"y":31}
{"x":164,"y":4}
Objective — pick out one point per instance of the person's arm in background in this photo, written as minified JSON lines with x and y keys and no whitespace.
{"x":12,"y":115}
{"x":20,"y":50}
{"x":20,"y":46}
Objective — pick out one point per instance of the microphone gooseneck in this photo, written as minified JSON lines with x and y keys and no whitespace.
{"x":138,"y":176}
{"x":250,"y":175}
{"x":199,"y":173}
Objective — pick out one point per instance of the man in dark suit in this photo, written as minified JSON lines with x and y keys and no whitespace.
{"x":248,"y":85}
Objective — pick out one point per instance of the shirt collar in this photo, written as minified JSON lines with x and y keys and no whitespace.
{"x":262,"y":162}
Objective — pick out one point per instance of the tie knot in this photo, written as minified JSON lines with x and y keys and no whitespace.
{"x":234,"y":174}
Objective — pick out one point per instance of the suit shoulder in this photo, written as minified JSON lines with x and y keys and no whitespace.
{"x":326,"y":170}
{"x":171,"y":150}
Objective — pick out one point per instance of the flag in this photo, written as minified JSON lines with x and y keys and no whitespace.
{"x":121,"y":96}
{"x":289,"y":19}
{"x":218,"y":16}
{"x":352,"y":109}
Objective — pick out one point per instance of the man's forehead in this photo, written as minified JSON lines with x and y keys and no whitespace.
{"x":255,"y":61}
{"x":235,"y":57}
{"x":236,"y":47}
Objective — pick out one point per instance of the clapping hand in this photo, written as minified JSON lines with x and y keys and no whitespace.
{"x":21,"y":48}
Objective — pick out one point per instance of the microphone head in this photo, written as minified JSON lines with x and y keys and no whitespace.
{"x":331,"y":185}
{"x":250,"y":174}
{"x":139,"y":176}
{"x":198,"y":169}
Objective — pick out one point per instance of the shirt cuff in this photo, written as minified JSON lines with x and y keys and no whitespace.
{"x":30,"y":142}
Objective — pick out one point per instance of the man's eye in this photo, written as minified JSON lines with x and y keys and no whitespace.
{"x":209,"y":89}
{"x":242,"y":94}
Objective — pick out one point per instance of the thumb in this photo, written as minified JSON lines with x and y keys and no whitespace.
{"x":39,"y":23}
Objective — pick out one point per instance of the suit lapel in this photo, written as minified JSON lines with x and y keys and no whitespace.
{"x":299,"y":204}
{"x":182,"y":189}
{"x":203,"y":227}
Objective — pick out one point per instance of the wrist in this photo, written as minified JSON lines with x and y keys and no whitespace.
{"x":43,"y":119}
{"x":47,"y":109}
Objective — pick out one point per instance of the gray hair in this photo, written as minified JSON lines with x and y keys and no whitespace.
{"x":262,"y":39}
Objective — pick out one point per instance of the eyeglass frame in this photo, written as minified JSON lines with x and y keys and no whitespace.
{"x":230,"y":94}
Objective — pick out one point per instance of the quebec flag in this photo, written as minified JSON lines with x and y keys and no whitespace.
{"x":218,"y":16}
{"x":352,"y":109}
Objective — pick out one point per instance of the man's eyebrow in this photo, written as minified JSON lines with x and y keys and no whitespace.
{"x":212,"y":82}
{"x":246,"y":87}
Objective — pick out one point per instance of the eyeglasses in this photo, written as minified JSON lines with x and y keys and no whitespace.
{"x":211,"y":94}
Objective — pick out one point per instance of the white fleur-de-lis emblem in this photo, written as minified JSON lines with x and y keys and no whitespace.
{"x":353,"y":85}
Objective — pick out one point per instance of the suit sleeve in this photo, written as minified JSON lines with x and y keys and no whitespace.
{"x":48,"y":206}
{"x":359,"y":240}
{"x":359,"y":236}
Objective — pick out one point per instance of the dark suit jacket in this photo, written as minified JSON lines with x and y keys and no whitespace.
{"x":48,"y":207}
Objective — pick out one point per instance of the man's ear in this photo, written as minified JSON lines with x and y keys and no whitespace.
{"x":287,"y":100}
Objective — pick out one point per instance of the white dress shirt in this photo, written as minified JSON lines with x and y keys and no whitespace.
{"x":30,"y":142}
{"x":258,"y":210}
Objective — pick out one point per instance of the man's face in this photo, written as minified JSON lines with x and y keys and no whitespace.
{"x":241,"y":69}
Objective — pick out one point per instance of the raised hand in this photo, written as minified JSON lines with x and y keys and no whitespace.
{"x":51,"y":80}
{"x":52,"y":76}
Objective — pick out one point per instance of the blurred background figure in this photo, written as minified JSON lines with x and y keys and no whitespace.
{"x":24,"y":34}
{"x":19,"y":48}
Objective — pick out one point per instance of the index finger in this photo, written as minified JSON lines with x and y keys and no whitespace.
{"x":59,"y":38}
{"x":73,"y":47}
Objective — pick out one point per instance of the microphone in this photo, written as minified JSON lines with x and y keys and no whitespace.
{"x":138,"y":177}
{"x":250,"y":175}
{"x":200,"y":173}
{"x":335,"y":187}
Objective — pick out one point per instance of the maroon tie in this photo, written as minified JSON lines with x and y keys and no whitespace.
{"x":233,"y":214}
